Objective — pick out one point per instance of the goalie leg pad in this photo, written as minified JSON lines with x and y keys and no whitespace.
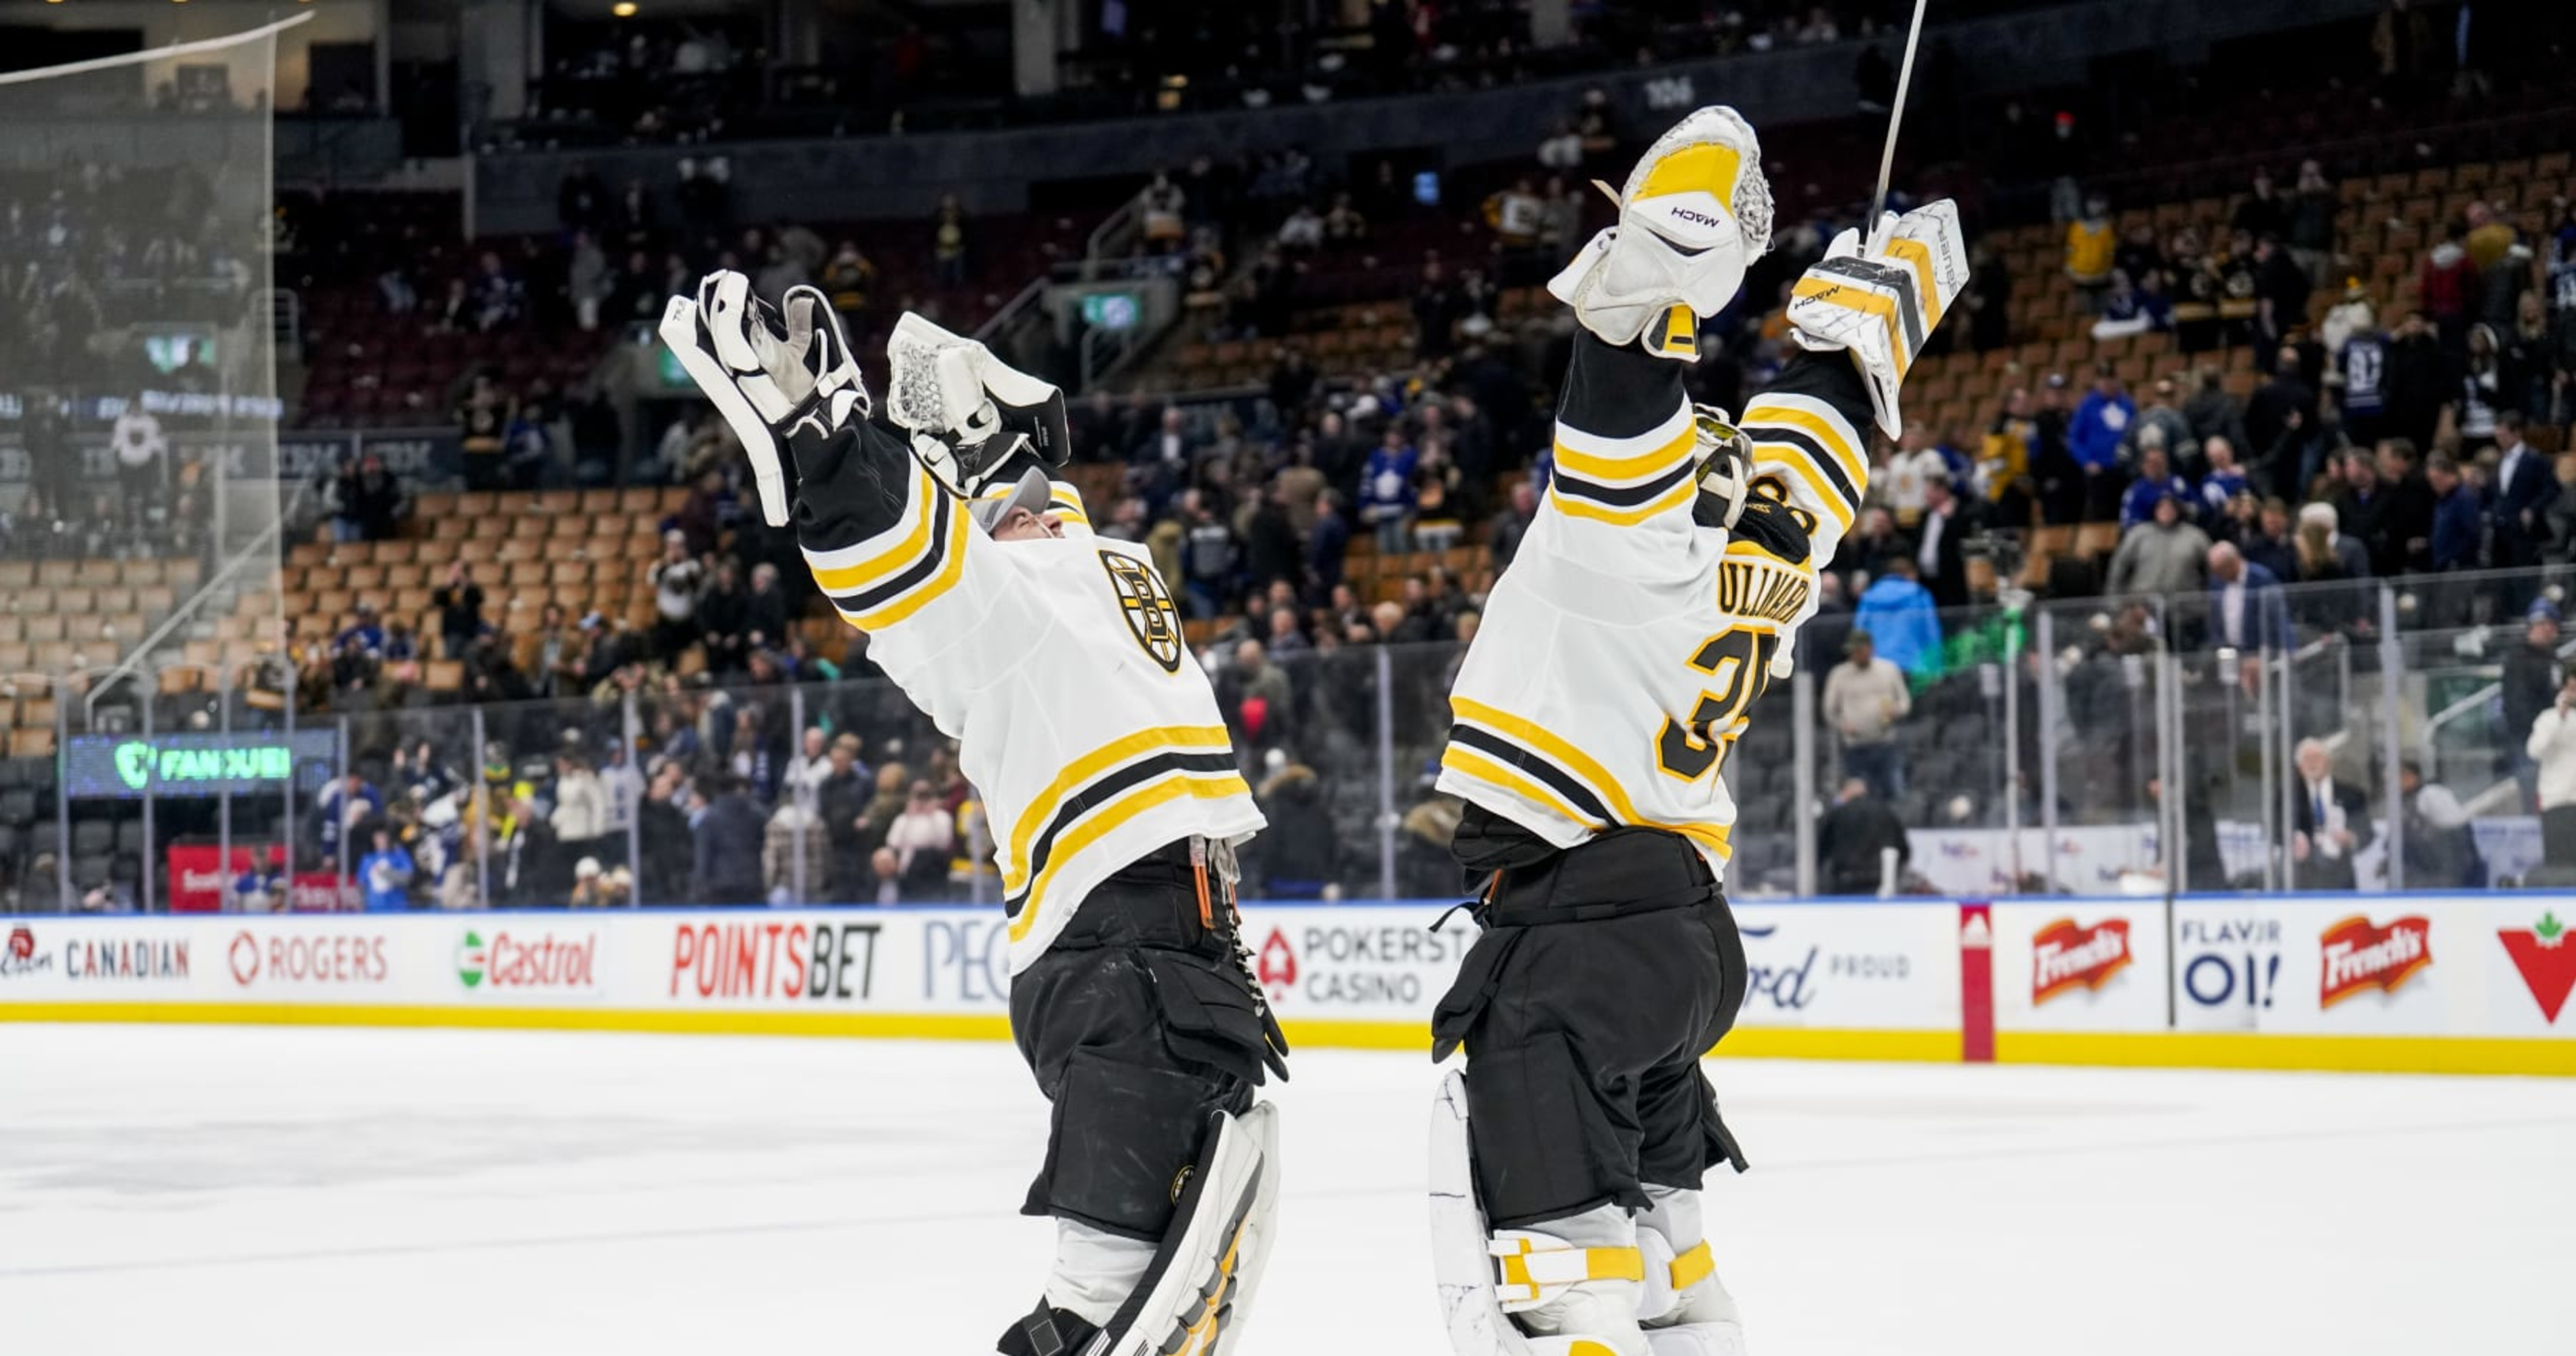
{"x":1190,"y":1301}
{"x":1195,"y":1290}
{"x":1569,"y":1290}
{"x":1687,"y":1310}
{"x":1260,"y":1228}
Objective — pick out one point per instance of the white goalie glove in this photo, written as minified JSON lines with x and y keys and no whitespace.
{"x":766,"y":369}
{"x":1695,"y":214}
{"x":968,"y":411}
{"x":1881,"y":302}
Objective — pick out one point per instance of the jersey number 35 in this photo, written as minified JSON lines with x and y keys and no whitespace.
{"x":1739,"y":663}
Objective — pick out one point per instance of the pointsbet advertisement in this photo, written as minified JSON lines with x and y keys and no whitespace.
{"x":2360,"y":981}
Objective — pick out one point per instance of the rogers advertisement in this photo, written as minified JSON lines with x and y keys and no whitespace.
{"x":285,"y":958}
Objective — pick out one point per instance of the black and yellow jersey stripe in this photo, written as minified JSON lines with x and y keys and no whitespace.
{"x":1101,"y":791}
{"x":1810,"y":441}
{"x":1625,"y":443}
{"x":894,"y":573}
{"x":1539,"y":768}
{"x":1052,"y":661}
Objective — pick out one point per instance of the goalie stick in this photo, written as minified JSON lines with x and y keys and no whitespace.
{"x":1895,"y":120}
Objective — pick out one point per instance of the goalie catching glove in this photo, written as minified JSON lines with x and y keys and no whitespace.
{"x":968,"y":411}
{"x":1881,"y":303}
{"x":767,"y":370}
{"x":1694,"y":216}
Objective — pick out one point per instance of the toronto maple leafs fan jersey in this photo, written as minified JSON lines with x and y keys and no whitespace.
{"x":1082,"y":718}
{"x":1619,"y":653}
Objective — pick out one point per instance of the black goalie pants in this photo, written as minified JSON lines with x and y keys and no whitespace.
{"x":1139,"y":1023}
{"x":1603,"y":974}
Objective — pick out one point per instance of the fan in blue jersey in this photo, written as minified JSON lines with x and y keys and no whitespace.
{"x":2363,"y":361}
{"x":2225,"y":479}
{"x":2155,"y":481}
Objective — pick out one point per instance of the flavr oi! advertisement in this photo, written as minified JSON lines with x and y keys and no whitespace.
{"x":2372,"y":965}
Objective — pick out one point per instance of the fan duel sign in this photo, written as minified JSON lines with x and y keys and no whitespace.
{"x":248,"y":763}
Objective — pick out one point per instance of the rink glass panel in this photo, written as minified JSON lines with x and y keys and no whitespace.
{"x":139,"y":333}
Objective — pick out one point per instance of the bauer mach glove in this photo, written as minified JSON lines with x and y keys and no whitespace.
{"x":968,"y":412}
{"x":1880,"y":302}
{"x":768,"y":370}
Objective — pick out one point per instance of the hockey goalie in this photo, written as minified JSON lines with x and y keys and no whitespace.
{"x":1657,"y":594}
{"x":1055,"y":658}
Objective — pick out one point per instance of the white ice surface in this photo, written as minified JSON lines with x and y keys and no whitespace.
{"x":367,"y":1193}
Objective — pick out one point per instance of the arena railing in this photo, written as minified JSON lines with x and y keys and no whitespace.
{"x":2100,"y":746}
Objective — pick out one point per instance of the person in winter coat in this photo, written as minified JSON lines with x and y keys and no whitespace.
{"x":2163,"y":424}
{"x":1853,"y":838}
{"x":2552,"y":746}
{"x":2441,"y":850}
{"x":1899,"y":615}
{"x":581,"y":804}
{"x":2161,"y":555}
{"x":1300,"y":853}
{"x":2447,"y":286}
{"x":2417,"y":381}
{"x":728,"y":832}
{"x":841,"y":798}
{"x":923,"y":838}
{"x":2532,"y":674}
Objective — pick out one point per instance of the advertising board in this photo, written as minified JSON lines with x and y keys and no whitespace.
{"x":2458,"y":982}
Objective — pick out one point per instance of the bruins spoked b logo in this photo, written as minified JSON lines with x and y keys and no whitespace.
{"x":1147,"y":605}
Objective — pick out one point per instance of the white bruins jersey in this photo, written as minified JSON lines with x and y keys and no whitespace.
{"x":1619,"y":653}
{"x":1082,"y":718}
